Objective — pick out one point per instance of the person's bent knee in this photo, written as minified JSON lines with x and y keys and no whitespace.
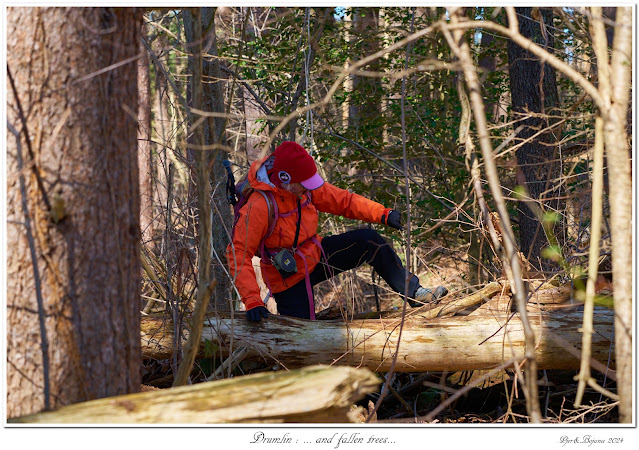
{"x":372,"y":236}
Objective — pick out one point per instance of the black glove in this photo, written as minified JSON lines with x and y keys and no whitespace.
{"x":255,"y":314}
{"x":394,"y":220}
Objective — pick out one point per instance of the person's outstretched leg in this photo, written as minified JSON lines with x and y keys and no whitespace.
{"x":354,"y":248}
{"x":347,"y":251}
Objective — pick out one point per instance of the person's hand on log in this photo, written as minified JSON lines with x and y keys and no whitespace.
{"x":256,"y":314}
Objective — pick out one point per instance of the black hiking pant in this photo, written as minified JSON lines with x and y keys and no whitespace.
{"x":344,"y":252}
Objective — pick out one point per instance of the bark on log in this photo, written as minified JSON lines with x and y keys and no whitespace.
{"x":451,"y":343}
{"x":312,"y":395}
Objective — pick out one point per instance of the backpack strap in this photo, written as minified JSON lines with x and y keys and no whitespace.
{"x":273,"y":211}
{"x":264,"y":252}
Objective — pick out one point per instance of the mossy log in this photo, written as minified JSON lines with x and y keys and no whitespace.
{"x":315,"y":394}
{"x":438,"y":344}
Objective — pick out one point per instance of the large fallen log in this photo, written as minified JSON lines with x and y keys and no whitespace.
{"x":311,"y":395}
{"x":449,"y":343}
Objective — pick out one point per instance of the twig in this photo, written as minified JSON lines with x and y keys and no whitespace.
{"x":27,"y":139}
{"x":265,"y":108}
{"x":400,"y":400}
{"x":44,"y":342}
{"x":233,"y":360}
{"x":101,"y":71}
{"x":593,"y":261}
{"x":146,"y":265}
{"x":598,"y":366}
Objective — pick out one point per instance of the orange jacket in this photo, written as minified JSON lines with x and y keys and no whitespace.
{"x":252,"y":226}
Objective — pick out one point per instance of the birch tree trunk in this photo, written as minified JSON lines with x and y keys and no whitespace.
{"x":620,"y":182}
{"x":73,"y":269}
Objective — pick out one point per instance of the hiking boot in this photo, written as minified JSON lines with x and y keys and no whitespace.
{"x":424,"y":296}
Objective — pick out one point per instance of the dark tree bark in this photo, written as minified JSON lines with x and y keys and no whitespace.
{"x":534,"y":94}
{"x":365,"y":106}
{"x":610,"y":13}
{"x":78,"y":131}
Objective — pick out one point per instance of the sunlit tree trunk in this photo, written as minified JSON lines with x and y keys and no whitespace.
{"x":73,"y":268}
{"x":145,"y":159}
{"x":620,"y":181}
{"x":162,"y":129}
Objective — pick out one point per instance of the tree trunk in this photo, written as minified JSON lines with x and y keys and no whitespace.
{"x":204,"y":282}
{"x":454,"y":343}
{"x":310,"y":395}
{"x":253,"y":138}
{"x":620,"y":176}
{"x":145,"y":159}
{"x":365,"y":103}
{"x":73,"y":327}
{"x":533,"y":89}
{"x":214,"y":136}
{"x":162,"y":129}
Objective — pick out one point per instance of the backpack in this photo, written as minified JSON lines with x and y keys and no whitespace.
{"x":237,"y":194}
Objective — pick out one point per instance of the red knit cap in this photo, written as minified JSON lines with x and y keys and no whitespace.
{"x":294,"y":165}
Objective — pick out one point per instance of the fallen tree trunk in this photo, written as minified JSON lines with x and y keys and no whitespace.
{"x":450,"y":343}
{"x":311,"y":395}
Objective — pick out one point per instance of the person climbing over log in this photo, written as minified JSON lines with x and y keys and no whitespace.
{"x":278,"y":222}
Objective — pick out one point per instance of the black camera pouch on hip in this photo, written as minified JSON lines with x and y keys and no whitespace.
{"x":284,"y":260}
